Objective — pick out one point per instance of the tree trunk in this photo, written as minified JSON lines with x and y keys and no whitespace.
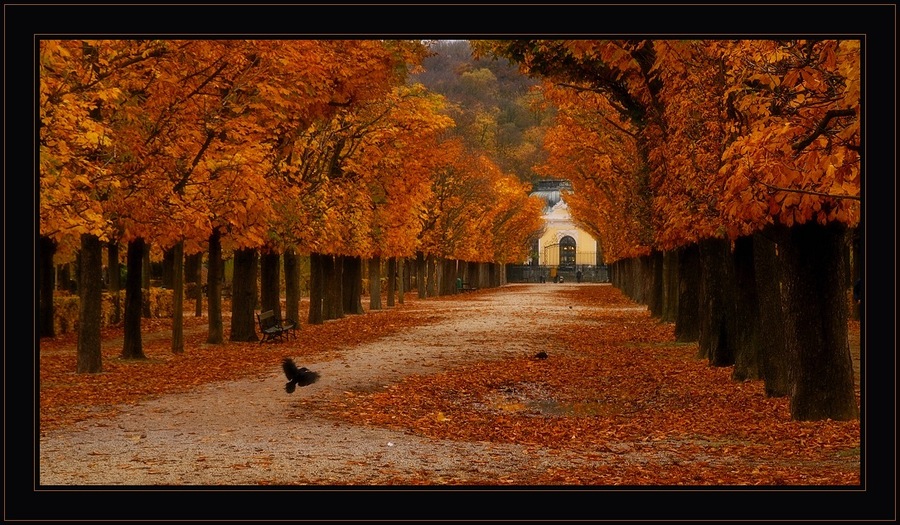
{"x":815,"y":316}
{"x":332,"y":300}
{"x":351,"y":284}
{"x":420,"y":274}
{"x":145,"y":282}
{"x":448,"y":276}
{"x":431,"y":278}
{"x":178,"y":298}
{"x":193,"y":276}
{"x":316,"y":288}
{"x":115,"y":281}
{"x":132,"y":347}
{"x":270,"y":283}
{"x":716,"y":303}
{"x":402,"y":280}
{"x":216,"y":335}
{"x":375,"y":283}
{"x":292,"y":286}
{"x":855,"y":269}
{"x":62,"y":277}
{"x":243,"y":296}
{"x":90,"y":290}
{"x":391,"y":280}
{"x":746,"y":348}
{"x":655,"y":284}
{"x":670,"y":286}
{"x":774,"y":361}
{"x":47,"y":278}
{"x":645,"y":279}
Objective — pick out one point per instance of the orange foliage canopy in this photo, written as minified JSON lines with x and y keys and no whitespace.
{"x":475,"y":212}
{"x":670,"y":142}
{"x":312,"y":145}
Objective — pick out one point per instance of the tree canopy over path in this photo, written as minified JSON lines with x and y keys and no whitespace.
{"x":733,"y":184}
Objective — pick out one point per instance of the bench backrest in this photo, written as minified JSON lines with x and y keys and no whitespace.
{"x":267,"y":319}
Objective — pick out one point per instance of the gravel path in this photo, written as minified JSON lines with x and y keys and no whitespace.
{"x":252,"y":432}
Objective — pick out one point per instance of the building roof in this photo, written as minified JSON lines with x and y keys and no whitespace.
{"x":551,"y":191}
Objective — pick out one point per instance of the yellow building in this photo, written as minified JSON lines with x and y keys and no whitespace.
{"x":563,"y":248}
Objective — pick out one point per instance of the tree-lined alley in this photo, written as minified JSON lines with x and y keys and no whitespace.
{"x":722,"y":178}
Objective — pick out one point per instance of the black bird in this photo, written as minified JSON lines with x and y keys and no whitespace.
{"x":297,"y":376}
{"x":540,"y":355}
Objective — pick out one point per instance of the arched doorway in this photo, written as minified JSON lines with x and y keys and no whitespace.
{"x":567,"y":252}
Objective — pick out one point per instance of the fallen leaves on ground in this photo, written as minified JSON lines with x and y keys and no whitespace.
{"x":630,"y":406}
{"x":617,"y":388}
{"x":67,"y":397}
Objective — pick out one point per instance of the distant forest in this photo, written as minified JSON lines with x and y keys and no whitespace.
{"x":493,"y":105}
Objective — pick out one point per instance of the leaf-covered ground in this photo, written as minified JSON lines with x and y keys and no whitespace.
{"x":615,"y":393}
{"x":67,"y":397}
{"x":614,"y":381}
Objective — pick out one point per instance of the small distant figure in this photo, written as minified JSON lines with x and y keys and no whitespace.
{"x":540,"y":355}
{"x":578,"y":276}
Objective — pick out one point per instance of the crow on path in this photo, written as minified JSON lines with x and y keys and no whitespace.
{"x":297,"y":376}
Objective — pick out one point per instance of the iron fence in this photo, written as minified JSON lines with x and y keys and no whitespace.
{"x":535,"y":273}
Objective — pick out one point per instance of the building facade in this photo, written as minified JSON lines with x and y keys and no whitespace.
{"x":563,"y":249}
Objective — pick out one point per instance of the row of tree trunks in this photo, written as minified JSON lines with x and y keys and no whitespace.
{"x":335,"y":289}
{"x":772,"y":305}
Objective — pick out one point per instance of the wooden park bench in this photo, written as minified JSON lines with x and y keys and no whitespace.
{"x":272,"y":328}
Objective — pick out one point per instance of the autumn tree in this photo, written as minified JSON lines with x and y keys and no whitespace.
{"x":773,"y":149}
{"x":793,"y":174}
{"x":82,"y":154}
{"x":324,"y":208}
